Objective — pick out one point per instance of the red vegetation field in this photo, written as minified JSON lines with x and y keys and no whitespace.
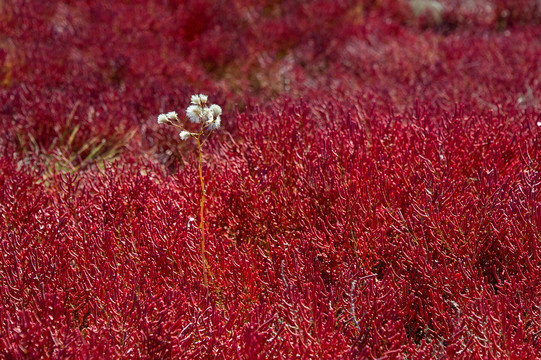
{"x":374,"y":191}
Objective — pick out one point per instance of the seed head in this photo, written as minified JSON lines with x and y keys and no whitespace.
{"x":162,"y":119}
{"x":194,"y":113}
{"x":172,"y":115}
{"x":200,"y":100}
{"x":198,"y":113}
{"x":214,"y":120}
{"x":216,"y":110}
{"x":215,"y":124}
{"x":184,"y":134}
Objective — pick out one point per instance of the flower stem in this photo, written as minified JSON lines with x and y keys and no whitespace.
{"x":202,"y":209}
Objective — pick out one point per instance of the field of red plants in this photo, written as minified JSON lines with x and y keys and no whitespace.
{"x":373,"y":191}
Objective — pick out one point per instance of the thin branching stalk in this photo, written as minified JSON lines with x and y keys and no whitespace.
{"x":208,"y":118}
{"x":202,"y":213}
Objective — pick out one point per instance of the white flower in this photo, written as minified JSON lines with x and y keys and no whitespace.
{"x":200,"y":100}
{"x":184,"y":134}
{"x":194,"y":113}
{"x":216,"y":110}
{"x":162,"y":119}
{"x":203,"y":99}
{"x":215,"y":124}
{"x":208,"y":116}
{"x":213,"y":118}
{"x":172,"y":115}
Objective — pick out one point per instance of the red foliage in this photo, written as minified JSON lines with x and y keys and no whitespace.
{"x":373,"y":193}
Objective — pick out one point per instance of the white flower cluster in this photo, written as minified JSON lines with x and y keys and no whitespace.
{"x":165,"y":118}
{"x":199,"y":113}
